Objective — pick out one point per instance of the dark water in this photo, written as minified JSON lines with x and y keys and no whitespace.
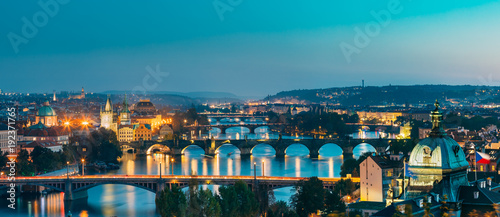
{"x":122,"y":200}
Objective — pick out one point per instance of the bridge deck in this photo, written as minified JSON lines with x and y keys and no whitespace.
{"x":93,"y":178}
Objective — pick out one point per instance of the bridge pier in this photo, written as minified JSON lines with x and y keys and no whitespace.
{"x":246,"y":151}
{"x":314,"y":153}
{"x":70,"y":195}
{"x":280,"y":152}
{"x":347,"y":155}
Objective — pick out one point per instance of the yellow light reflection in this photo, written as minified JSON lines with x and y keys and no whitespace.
{"x":330,"y":168}
{"x":297,"y":167}
{"x":229,"y":167}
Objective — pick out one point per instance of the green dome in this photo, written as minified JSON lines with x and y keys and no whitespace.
{"x":442,"y":152}
{"x":438,"y":150}
{"x":46,"y":111}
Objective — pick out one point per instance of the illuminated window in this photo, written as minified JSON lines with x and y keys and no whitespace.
{"x":482,"y":168}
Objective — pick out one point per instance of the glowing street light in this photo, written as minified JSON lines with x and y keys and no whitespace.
{"x":83,"y":167}
{"x":172,"y":165}
{"x":66,"y":123}
{"x":263,"y":168}
{"x":67,"y":169}
{"x":85,"y":123}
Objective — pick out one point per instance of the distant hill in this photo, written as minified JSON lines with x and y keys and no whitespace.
{"x":386,"y":95}
{"x":177,"y":98}
{"x":189,"y":94}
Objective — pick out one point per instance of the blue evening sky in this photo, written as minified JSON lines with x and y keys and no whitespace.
{"x":257,"y":48}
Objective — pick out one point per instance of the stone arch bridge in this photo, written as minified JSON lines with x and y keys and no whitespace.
{"x":76,"y":187}
{"x":177,"y":147}
{"x":223,"y":127}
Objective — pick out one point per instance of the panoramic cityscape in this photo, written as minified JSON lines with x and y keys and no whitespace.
{"x":249,"y":108}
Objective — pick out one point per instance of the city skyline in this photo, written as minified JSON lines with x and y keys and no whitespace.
{"x":251,"y":49}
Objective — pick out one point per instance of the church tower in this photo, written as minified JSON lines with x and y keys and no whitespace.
{"x":437,"y":163}
{"x":107,"y":116}
{"x":125,"y":113}
{"x":82,"y":95}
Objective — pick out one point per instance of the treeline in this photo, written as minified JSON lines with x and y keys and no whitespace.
{"x":240,"y":201}
{"x":306,"y":122}
{"x":473,"y":123}
{"x":41,"y":160}
{"x":102,"y":145}
{"x":190,"y":117}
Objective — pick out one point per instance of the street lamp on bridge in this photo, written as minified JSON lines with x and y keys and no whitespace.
{"x":263,"y":174}
{"x":172,"y":160}
{"x":67,"y":169}
{"x":83,"y":166}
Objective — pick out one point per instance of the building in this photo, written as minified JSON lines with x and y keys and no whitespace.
{"x":80,"y":96}
{"x":437,"y":171}
{"x":126,"y":133}
{"x":437,"y":161}
{"x":108,"y":116}
{"x":382,"y":117}
{"x":166,"y":132}
{"x":142,"y":131}
{"x":125,"y":113}
{"x":4,"y":137}
{"x":145,"y":112}
{"x":379,"y":178}
{"x":46,"y":115}
{"x":51,"y":145}
{"x":40,"y":132}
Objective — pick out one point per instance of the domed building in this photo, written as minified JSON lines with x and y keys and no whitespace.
{"x":144,"y":107}
{"x":46,"y":115}
{"x":145,"y":112}
{"x":437,"y":163}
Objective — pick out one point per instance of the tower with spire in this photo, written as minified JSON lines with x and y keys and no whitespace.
{"x":125,"y":113}
{"x":107,"y":116}
{"x":437,"y":163}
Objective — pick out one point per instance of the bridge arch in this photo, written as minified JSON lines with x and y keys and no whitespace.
{"x":330,"y":150}
{"x":263,"y":149}
{"x":227,"y":147}
{"x":300,"y":150}
{"x":126,"y":148}
{"x":149,"y":186}
{"x":53,"y":187}
{"x":215,"y":130}
{"x":362,"y":148}
{"x":160,"y":147}
{"x":262,"y":129}
{"x":242,"y":129}
{"x":194,"y":147}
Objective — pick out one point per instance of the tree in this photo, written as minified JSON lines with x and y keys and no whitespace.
{"x":334,"y":203}
{"x":345,"y":187}
{"x":171,"y":202}
{"x":228,"y":200}
{"x":3,"y":160}
{"x":249,"y":206}
{"x":280,"y":209}
{"x":193,"y":203}
{"x":208,"y":203}
{"x":309,"y":196}
{"x":105,"y":146}
{"x":24,"y":165}
{"x":350,"y":166}
{"x":238,"y":200}
{"x":45,"y":160}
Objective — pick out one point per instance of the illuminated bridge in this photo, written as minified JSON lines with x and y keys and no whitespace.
{"x":76,"y":187}
{"x":245,"y":146}
{"x":223,"y":127}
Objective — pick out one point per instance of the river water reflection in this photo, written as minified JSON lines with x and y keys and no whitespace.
{"x":122,"y":200}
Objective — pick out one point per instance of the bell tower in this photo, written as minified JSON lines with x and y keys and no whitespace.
{"x":125,"y":113}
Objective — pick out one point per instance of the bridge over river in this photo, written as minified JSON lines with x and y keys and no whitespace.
{"x":76,"y":187}
{"x":211,"y":146}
